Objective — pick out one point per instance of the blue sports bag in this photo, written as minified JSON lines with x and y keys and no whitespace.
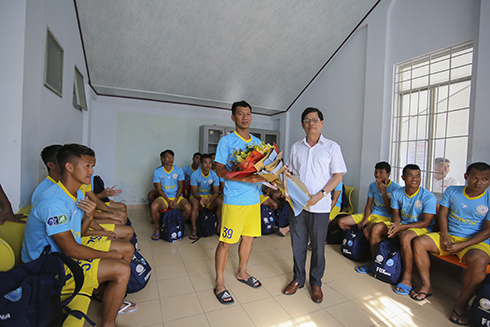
{"x":387,"y":265}
{"x":355,"y":246}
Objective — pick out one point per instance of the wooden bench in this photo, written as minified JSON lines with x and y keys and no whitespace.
{"x":12,"y":234}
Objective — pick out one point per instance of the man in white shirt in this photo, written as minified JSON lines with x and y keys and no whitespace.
{"x":319,"y":164}
{"x":441,"y":179}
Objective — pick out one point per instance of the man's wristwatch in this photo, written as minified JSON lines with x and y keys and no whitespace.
{"x":324,"y":193}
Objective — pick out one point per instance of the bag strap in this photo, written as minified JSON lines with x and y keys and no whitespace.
{"x":76,"y":271}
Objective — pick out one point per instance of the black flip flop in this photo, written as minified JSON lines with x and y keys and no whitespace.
{"x":250,"y":282}
{"x":456,"y":321}
{"x":414,"y":295}
{"x":222,"y":296}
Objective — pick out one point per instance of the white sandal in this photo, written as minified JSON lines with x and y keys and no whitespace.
{"x":127,"y":307}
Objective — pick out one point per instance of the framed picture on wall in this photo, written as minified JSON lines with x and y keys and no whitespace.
{"x":53,"y":64}
{"x":79,"y":100}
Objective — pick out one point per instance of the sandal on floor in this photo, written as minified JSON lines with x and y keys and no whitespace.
{"x":223,"y":296}
{"x":414,"y":295}
{"x":155,"y":237}
{"x":405,"y":289}
{"x":193,"y":237}
{"x":458,"y":316}
{"x":364,"y":269}
{"x":251,"y":281}
{"x":128,"y":307}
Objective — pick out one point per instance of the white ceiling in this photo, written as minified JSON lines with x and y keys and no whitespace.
{"x":213,"y":52}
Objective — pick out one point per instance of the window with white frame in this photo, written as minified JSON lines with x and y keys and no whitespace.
{"x":431,"y":115}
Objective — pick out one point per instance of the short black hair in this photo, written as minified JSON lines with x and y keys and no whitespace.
{"x":196,"y":154}
{"x":410,"y":167}
{"x":71,"y":151}
{"x":242,"y":103}
{"x":48,"y":154}
{"x":165,"y":152}
{"x":441,"y":160}
{"x":383,"y":165}
{"x":480,"y":166}
{"x":309,"y":110}
{"x":206,"y":156}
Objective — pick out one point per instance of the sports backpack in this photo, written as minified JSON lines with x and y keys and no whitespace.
{"x":267,"y":220}
{"x":172,"y":226}
{"x":30,"y":294}
{"x":355,"y":246}
{"x":335,"y":235}
{"x":140,"y":273}
{"x":387,"y":265}
{"x":206,"y":223}
{"x":480,"y":309}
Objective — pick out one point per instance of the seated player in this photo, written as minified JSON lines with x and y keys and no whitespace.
{"x":190,"y":168}
{"x":61,"y":215}
{"x":336,"y":195}
{"x":107,"y":192}
{"x":205,"y":193}
{"x":376,"y":218}
{"x":213,"y":166}
{"x":413,"y":211}
{"x":6,"y":212}
{"x":266,"y":199}
{"x":465,"y":230}
{"x":169,"y":182}
{"x":108,"y":228}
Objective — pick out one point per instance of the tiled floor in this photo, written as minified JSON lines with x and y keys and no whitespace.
{"x":180,"y":291}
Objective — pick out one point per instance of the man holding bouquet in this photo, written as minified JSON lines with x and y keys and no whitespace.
{"x":319,"y":164}
{"x":241,"y":205}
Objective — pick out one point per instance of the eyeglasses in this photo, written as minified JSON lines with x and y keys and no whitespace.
{"x":314,"y":121}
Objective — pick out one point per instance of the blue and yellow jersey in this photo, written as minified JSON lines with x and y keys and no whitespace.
{"x":43,"y":186}
{"x":338,"y":188}
{"x":204,"y":184}
{"x":412,"y":207}
{"x":237,"y":193}
{"x":378,"y":203}
{"x":169,"y":179}
{"x":188,"y":171}
{"x":55,"y":212}
{"x":466,"y":215}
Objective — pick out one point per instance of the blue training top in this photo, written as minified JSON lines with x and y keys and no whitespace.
{"x":237,"y":193}
{"x":204,"y":184}
{"x":55,"y":212}
{"x":378,"y":203}
{"x":412,"y":207}
{"x":466,"y":215}
{"x":169,"y":180}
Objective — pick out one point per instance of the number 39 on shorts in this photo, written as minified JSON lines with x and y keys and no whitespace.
{"x":227,"y":232}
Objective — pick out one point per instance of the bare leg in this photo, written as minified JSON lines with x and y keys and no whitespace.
{"x":156,"y":206}
{"x":345,"y":223}
{"x":125,"y":248}
{"x":406,"y":238}
{"x":194,"y":213}
{"x":221,"y":258}
{"x":477,"y":262}
{"x":116,"y":272}
{"x":244,"y":250}
{"x":376,"y":236}
{"x":421,"y":248}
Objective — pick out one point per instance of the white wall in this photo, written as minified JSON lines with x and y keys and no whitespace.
{"x":31,"y":113}
{"x":395,"y":31}
{"x":12,"y":29}
{"x":128,"y":136}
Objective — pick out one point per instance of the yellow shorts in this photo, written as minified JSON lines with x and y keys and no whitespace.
{"x":436,"y":237}
{"x":372,"y":219}
{"x":334,"y":212}
{"x":238,"y":221}
{"x":166,"y":203}
{"x":420,"y":231}
{"x":90,"y":269}
{"x":263,"y":198}
{"x":207,"y":196}
{"x":108,"y":227}
{"x":97,"y":242}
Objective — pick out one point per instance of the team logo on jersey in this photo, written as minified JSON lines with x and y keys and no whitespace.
{"x":482,"y":209}
{"x":464,"y":205}
{"x":57,"y":220}
{"x":388,"y":195}
{"x":210,"y":181}
{"x":174,"y":176}
{"x":418,"y":204}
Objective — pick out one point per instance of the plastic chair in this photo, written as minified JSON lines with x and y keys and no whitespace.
{"x":7,"y":257}
{"x":350,"y":208}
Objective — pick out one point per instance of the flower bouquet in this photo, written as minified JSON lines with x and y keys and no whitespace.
{"x":266,"y":160}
